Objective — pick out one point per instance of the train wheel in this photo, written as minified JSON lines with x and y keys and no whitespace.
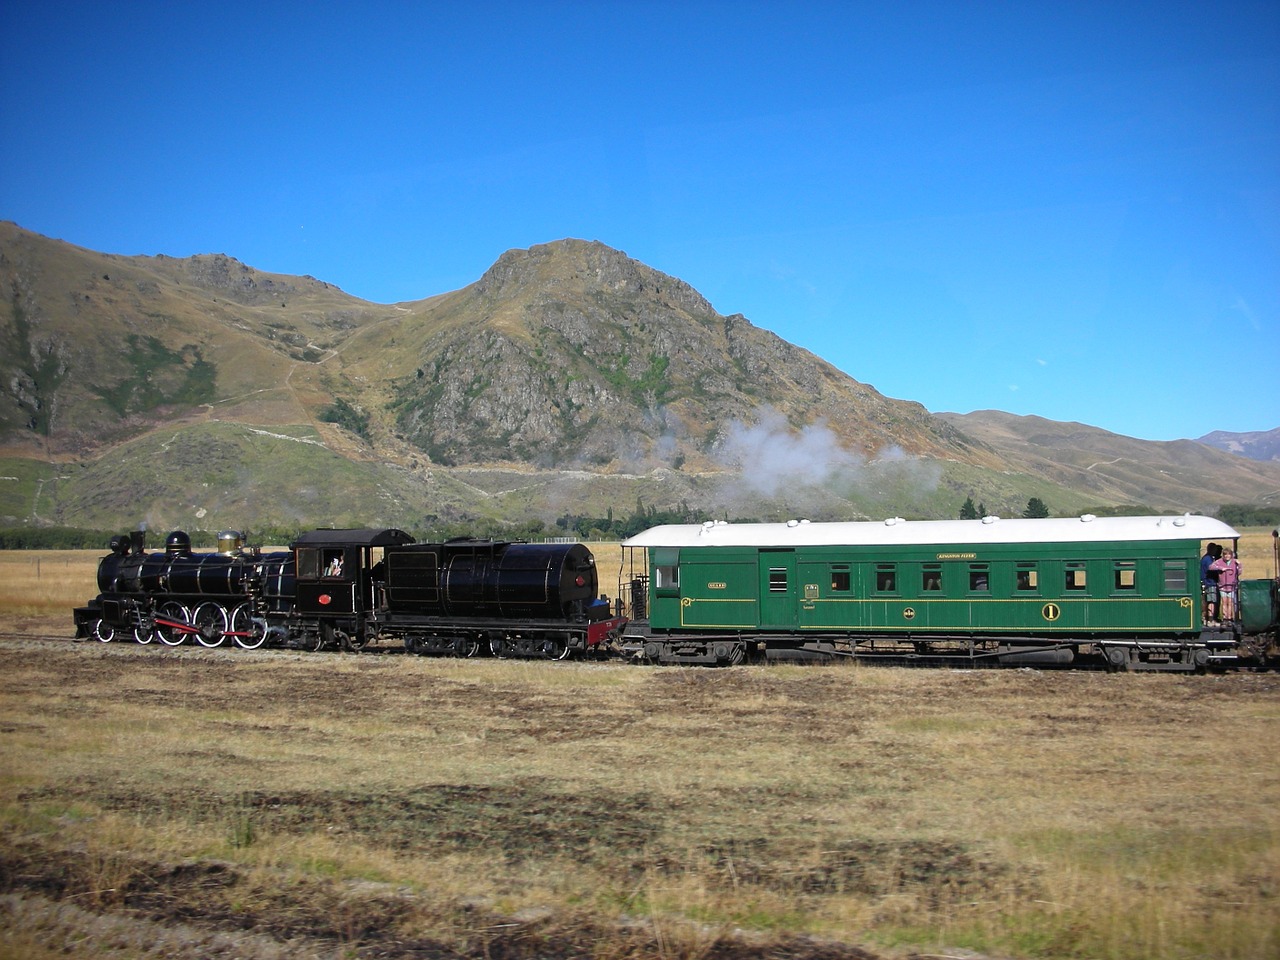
{"x":172,"y":612}
{"x":101,"y":630}
{"x":555,"y":648}
{"x":248,"y":631}
{"x":211,"y":623}
{"x":1117,"y":659}
{"x":145,"y":630}
{"x":323,"y":639}
{"x":465,"y":647}
{"x":351,"y":642}
{"x":500,"y":647}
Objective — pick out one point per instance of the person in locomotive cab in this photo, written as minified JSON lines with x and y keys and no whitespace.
{"x":1209,"y":582}
{"x":334,"y":569}
{"x":1228,"y":570}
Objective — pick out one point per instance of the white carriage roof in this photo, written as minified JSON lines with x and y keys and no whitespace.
{"x":896,"y":531}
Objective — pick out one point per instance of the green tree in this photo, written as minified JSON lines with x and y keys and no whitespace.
{"x":1036,"y":508}
{"x":967,"y":510}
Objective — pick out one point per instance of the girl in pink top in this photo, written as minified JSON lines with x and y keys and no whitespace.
{"x":1228,"y":568}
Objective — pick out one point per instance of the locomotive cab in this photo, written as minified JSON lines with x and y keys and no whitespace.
{"x":336,"y":587}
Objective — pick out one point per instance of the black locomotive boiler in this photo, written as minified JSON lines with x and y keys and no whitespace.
{"x":346,"y":588}
{"x":181,"y":595}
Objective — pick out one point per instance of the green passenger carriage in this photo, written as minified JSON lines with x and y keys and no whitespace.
{"x":1124,"y":591}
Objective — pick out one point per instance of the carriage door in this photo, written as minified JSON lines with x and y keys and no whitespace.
{"x":778,"y":589}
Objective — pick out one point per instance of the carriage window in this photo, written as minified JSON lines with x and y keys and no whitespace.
{"x":840,"y":578}
{"x":979,"y":577}
{"x":777,"y":579}
{"x":308,"y":563}
{"x":1028,"y":577}
{"x":1126,"y":575}
{"x":1175,"y":576}
{"x":1075,"y":577}
{"x":886,"y":577}
{"x":666,"y":576}
{"x":931,"y":578}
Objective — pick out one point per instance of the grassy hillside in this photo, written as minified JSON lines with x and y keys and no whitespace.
{"x":568,"y":379}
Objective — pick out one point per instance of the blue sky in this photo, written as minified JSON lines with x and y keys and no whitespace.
{"x":1070,"y":210}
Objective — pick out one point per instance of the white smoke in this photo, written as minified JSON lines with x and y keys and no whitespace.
{"x":808,"y":470}
{"x":773,"y":458}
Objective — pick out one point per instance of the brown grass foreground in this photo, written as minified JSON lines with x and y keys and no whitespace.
{"x":223,"y":803}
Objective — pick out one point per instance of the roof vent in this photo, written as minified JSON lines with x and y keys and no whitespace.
{"x":1088,"y":518}
{"x":990,"y":519}
{"x":893,"y":521}
{"x":1179,"y":521}
{"x":793,"y":523}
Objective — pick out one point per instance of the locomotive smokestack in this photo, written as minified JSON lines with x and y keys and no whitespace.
{"x":138,"y":539}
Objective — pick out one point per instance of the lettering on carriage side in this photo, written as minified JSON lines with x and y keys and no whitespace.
{"x":1051,"y":611}
{"x":957,"y":556}
{"x":717,"y":585}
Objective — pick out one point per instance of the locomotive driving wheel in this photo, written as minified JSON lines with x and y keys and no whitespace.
{"x":103,"y":631}
{"x":248,"y":631}
{"x":170,"y":620}
{"x":211,"y":623}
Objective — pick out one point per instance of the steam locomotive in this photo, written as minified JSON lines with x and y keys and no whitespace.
{"x":346,"y":588}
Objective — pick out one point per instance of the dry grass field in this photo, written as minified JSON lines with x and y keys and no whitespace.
{"x":160,"y":802}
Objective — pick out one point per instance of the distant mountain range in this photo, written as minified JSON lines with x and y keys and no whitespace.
{"x":569,"y":379}
{"x":1259,"y":445}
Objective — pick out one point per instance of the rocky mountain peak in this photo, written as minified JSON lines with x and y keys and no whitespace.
{"x":573,"y":354}
{"x":568,"y":267}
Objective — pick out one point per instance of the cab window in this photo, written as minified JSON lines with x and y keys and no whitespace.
{"x":333,"y":563}
{"x":309,"y":563}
